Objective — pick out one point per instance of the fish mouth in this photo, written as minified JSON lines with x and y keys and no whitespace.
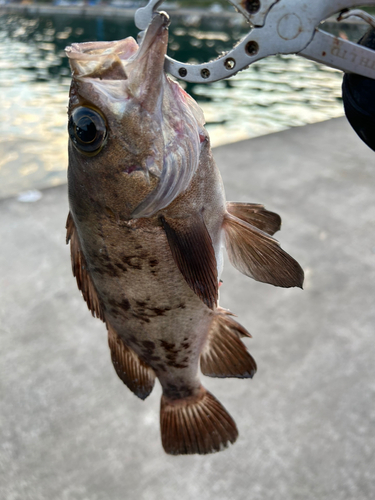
{"x":119,"y":59}
{"x":146,"y":69}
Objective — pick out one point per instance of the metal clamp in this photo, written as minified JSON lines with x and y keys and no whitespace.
{"x":277,"y":27}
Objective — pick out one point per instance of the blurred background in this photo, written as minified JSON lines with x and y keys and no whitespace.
{"x":69,"y":429}
{"x":274,"y":94}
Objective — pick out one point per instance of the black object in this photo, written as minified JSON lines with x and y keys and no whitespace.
{"x":87,"y":130}
{"x":358,"y":93}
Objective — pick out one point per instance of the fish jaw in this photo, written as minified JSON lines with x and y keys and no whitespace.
{"x":146,"y":69}
{"x":154,"y":129}
{"x":107,"y":65}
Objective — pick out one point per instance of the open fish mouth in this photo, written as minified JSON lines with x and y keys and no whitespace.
{"x":115,"y":60}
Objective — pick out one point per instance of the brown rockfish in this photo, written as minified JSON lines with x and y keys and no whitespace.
{"x":147,"y":223}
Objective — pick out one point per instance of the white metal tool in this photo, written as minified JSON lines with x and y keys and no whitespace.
{"x":279,"y":27}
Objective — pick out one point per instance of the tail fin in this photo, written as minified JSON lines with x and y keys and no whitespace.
{"x":198,"y":424}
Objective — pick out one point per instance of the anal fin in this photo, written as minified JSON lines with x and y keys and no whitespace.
{"x":198,"y":424}
{"x":224,"y":355}
{"x":193,"y":252}
{"x":256,"y":215}
{"x":79,"y":268}
{"x":258,"y":255}
{"x":134,"y":372}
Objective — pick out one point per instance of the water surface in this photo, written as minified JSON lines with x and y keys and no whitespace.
{"x":274,"y":94}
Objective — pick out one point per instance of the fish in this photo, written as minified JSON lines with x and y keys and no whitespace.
{"x":147,"y":226}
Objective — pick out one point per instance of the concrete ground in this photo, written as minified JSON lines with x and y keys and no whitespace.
{"x":71,"y":431}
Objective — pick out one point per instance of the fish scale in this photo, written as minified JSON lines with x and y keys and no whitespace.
{"x":144,"y":294}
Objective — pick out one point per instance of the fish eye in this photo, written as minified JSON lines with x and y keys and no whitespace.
{"x":87,"y":130}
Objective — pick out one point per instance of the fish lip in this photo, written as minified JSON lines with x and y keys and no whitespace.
{"x":146,"y":69}
{"x":157,"y":27}
{"x":160,"y":20}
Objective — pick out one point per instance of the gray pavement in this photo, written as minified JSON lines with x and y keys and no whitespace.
{"x":71,"y":431}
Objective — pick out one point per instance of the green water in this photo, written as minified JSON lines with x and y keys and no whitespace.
{"x":273,"y":94}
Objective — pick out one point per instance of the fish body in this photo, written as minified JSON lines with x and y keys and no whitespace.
{"x":147,"y":224}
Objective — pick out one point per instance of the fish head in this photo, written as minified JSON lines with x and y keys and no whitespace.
{"x":135,"y":135}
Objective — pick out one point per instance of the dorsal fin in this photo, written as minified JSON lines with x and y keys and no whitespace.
{"x":134,"y":372}
{"x":192,"y":251}
{"x":79,"y":268}
{"x":256,"y":215}
{"x":258,"y":255}
{"x":224,"y":355}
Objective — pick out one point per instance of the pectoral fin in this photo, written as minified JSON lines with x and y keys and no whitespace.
{"x":79,"y":268}
{"x":256,"y":215}
{"x":224,"y":355}
{"x":258,"y":255}
{"x":134,"y":372}
{"x":192,"y":251}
